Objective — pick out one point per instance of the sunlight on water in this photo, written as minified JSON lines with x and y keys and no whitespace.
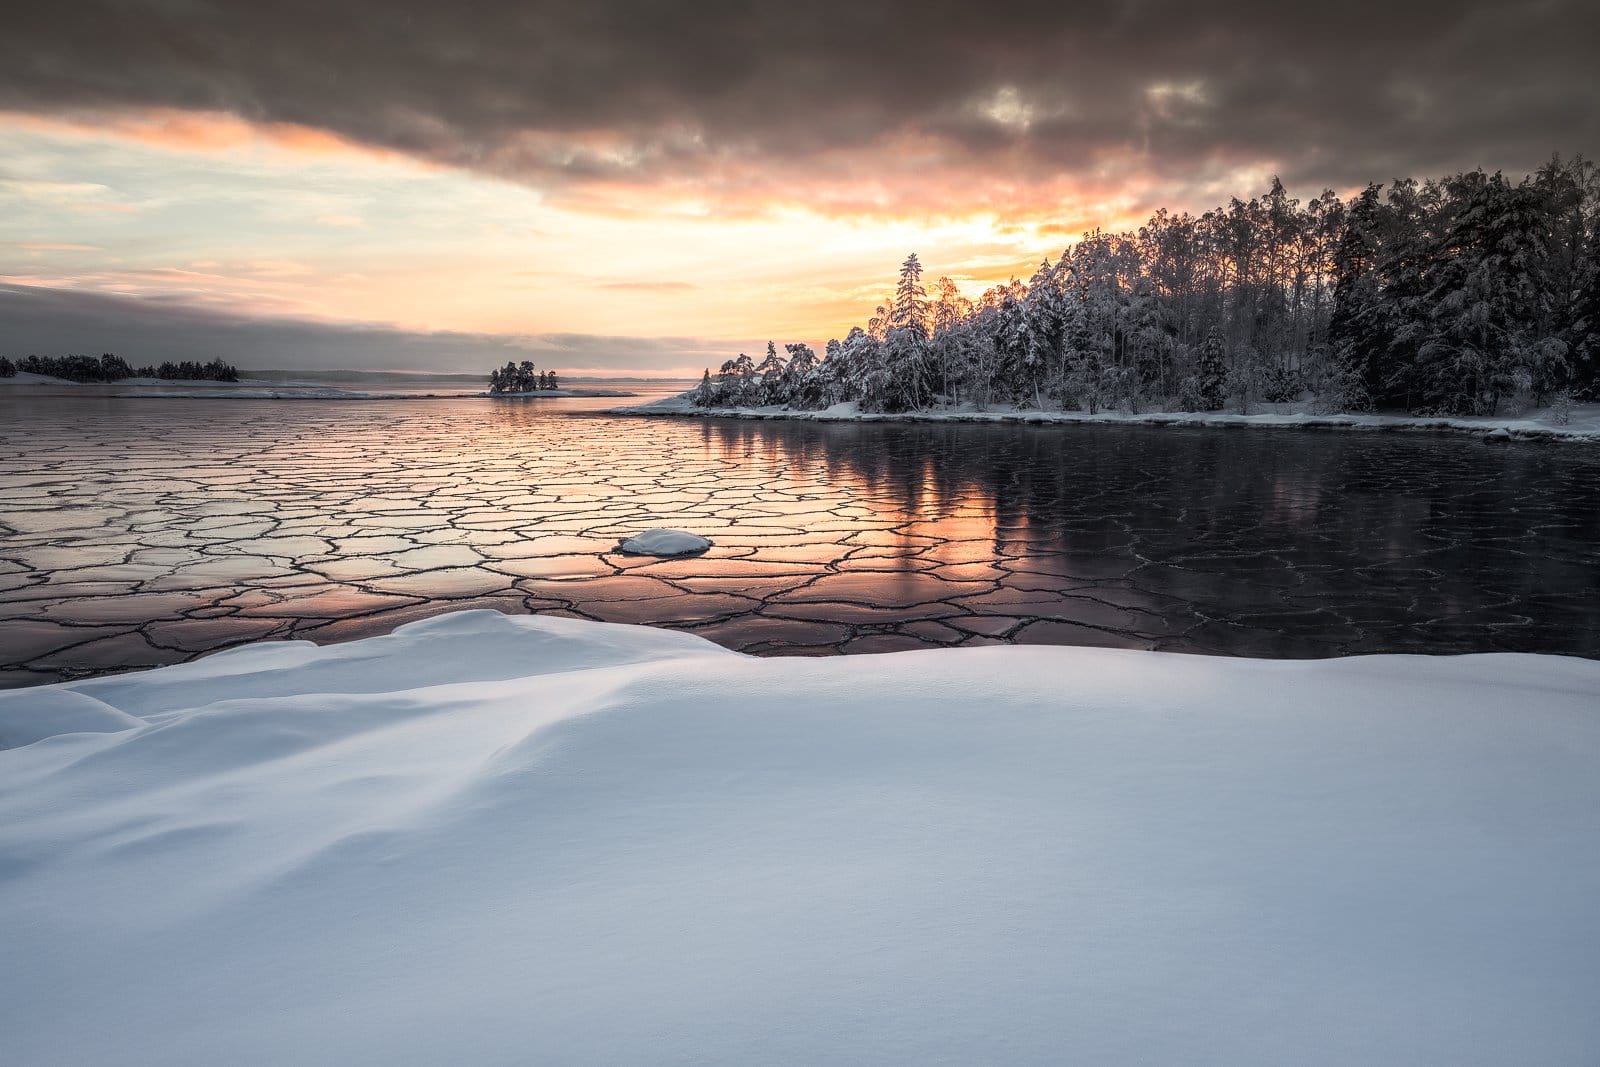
{"x":139,"y":532}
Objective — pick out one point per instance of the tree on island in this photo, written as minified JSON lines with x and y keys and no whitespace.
{"x":1460,"y":295}
{"x":521,"y":377}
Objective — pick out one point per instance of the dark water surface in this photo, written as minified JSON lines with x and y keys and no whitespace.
{"x":145,"y":531}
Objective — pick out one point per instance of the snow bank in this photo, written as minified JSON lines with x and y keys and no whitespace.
{"x":496,"y":840}
{"x":23,"y":377}
{"x":1583,"y":423}
{"x":662,"y":542}
{"x":52,"y":711}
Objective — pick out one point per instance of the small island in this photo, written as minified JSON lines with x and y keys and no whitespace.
{"x":522,"y":377}
{"x":520,"y":380}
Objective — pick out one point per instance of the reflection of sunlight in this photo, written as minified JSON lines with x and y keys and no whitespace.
{"x":824,"y":535}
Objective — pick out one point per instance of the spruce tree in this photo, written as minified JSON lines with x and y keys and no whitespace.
{"x":1211,"y":371}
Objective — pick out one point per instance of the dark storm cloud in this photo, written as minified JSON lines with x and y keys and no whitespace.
{"x":52,"y":322}
{"x":580,"y":90}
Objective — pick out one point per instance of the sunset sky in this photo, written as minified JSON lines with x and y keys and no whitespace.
{"x":651,"y":187}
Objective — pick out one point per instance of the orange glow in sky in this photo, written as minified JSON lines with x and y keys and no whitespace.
{"x":288,"y":221}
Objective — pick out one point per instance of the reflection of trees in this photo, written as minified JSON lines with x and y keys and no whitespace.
{"x":1343,"y":500}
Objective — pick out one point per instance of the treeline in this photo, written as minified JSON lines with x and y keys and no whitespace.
{"x":1472,"y":294}
{"x":521,"y":377}
{"x":110,"y":368}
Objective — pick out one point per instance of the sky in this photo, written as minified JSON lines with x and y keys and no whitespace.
{"x":650,"y":187}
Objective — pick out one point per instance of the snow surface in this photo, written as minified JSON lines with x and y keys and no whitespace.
{"x":23,"y":377}
{"x":496,"y":840}
{"x":1583,"y":423}
{"x":663,"y":542}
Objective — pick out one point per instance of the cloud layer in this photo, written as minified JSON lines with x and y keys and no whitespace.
{"x":848,"y":104}
{"x":36,"y":319}
{"x":532,"y":177}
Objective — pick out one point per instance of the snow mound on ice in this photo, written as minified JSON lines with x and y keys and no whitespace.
{"x":486,"y":839}
{"x":661,"y":542}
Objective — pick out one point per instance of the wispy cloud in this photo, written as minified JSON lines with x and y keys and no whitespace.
{"x":45,"y":246}
{"x":649,"y":286}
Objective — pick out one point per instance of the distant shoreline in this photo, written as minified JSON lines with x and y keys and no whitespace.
{"x":1583,"y":426}
{"x":268,"y":389}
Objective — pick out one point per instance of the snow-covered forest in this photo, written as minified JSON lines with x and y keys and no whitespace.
{"x":112,"y":368}
{"x":1473,"y":294}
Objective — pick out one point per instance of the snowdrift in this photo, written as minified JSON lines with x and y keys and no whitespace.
{"x":485,"y":840}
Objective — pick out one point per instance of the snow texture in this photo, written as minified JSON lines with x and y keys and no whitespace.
{"x":1583,"y":423}
{"x":497,"y":840}
{"x":23,"y":377}
{"x":663,"y":542}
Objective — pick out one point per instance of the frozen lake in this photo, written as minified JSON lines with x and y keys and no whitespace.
{"x":136,"y":532}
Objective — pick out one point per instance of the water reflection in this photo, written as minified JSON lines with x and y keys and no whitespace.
{"x":145,"y":531}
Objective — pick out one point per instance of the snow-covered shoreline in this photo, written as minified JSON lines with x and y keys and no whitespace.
{"x":1583,"y":424}
{"x":491,"y":839}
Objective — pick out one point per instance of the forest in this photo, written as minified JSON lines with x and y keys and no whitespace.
{"x":110,"y":368}
{"x":1472,"y":294}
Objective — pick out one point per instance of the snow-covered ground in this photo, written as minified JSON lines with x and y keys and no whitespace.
{"x":1583,"y":421}
{"x":25,"y":378}
{"x":497,"y":840}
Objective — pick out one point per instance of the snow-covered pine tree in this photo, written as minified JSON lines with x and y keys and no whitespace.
{"x":1044,"y":323}
{"x":949,"y":311}
{"x":1211,"y":371}
{"x":910,"y":308}
{"x":801,"y":387}
{"x":770,"y":377}
{"x":1487,"y":303}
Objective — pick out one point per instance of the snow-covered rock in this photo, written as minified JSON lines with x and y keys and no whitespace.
{"x":498,"y":840}
{"x":663,"y":542}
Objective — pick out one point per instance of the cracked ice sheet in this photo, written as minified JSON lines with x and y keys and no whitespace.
{"x":136,"y":533}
